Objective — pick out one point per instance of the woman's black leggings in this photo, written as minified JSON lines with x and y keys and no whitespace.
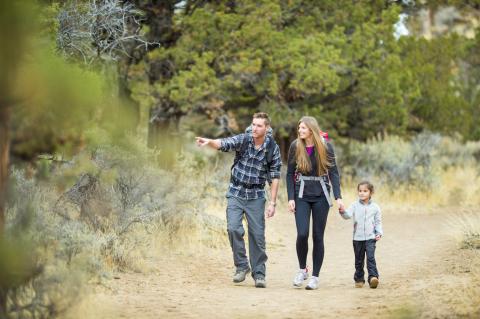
{"x":319,"y":210}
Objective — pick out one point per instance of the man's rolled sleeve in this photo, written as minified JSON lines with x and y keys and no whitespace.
{"x":276,"y":164}
{"x":232,"y":143}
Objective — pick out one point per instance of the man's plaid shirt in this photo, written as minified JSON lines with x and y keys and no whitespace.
{"x":251,"y":168}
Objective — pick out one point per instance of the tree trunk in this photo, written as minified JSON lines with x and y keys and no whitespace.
{"x":162,"y":135}
{"x":13,"y":26}
{"x":125,"y":94}
{"x":4,"y":156}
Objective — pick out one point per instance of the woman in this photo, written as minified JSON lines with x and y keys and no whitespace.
{"x":311,"y":165}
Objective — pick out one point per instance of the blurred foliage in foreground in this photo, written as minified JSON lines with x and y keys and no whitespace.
{"x":98,"y":213}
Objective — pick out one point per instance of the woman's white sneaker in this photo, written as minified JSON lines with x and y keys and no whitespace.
{"x":300,"y":277}
{"x":312,"y":283}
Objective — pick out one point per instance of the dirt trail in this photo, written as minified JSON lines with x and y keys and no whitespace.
{"x":183,"y":286}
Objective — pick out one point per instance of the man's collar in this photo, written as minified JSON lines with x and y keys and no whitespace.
{"x":263,"y":145}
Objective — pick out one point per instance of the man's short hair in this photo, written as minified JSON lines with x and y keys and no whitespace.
{"x":262,"y":115}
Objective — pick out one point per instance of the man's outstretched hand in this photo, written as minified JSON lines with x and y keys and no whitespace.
{"x":201,"y":141}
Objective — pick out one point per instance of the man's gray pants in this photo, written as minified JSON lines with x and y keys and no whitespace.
{"x":254,"y":210}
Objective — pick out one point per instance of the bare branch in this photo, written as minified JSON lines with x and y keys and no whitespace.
{"x":100,"y":30}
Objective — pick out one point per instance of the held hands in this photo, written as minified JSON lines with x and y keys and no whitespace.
{"x":291,"y":206}
{"x":341,"y":206}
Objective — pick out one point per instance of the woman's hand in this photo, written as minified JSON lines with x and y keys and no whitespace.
{"x":291,"y":206}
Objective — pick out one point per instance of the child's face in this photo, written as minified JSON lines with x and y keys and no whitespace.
{"x":364,"y":193}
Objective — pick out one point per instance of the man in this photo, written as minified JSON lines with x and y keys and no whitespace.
{"x":257,"y":161}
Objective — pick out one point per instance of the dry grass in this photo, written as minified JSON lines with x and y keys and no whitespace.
{"x":457,"y":188}
{"x":466,"y":229}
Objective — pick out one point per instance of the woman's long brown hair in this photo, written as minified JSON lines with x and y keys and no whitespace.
{"x":304,"y":165}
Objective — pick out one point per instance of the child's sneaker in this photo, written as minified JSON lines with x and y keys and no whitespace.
{"x":373,"y":282}
{"x":359,"y":284}
{"x":301,"y":275}
{"x":312,"y":283}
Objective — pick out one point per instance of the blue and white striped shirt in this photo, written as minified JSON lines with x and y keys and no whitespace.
{"x":252,"y":167}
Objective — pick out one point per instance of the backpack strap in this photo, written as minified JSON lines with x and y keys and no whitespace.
{"x":269,"y":152}
{"x":241,"y":151}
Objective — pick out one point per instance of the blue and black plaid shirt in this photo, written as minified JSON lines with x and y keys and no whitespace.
{"x":251,"y":168}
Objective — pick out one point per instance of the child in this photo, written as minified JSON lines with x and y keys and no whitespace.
{"x":367,"y":230}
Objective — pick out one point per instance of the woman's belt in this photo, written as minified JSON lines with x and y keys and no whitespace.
{"x":302,"y":180}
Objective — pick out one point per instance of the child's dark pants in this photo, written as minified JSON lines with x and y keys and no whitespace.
{"x":362,"y":248}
